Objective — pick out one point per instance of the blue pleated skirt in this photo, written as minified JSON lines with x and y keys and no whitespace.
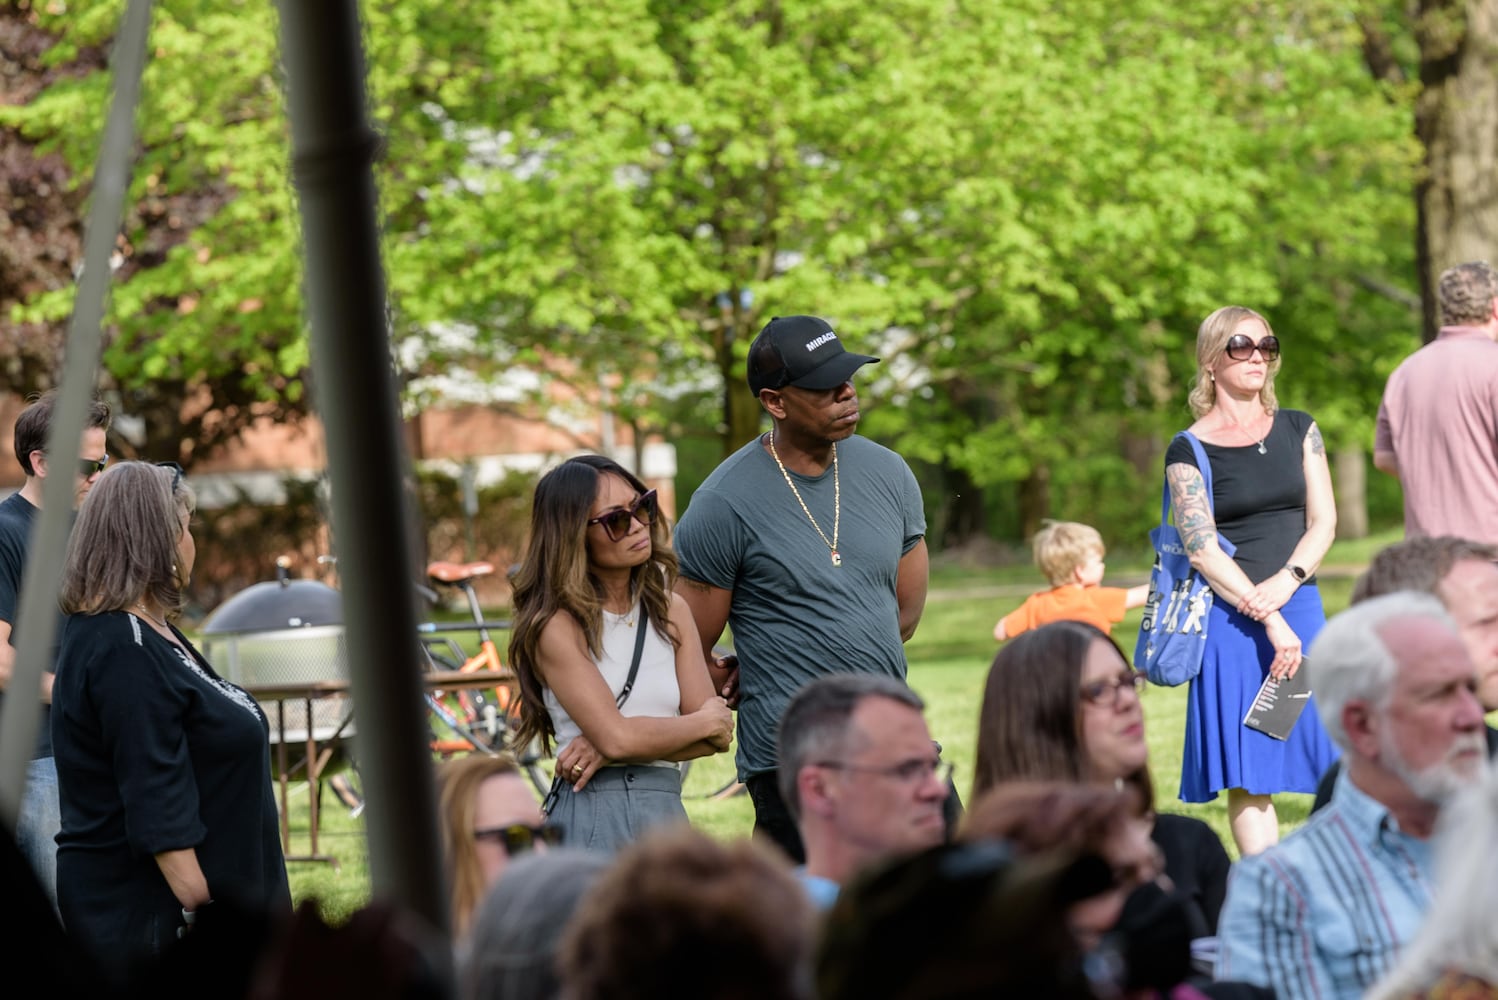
{"x":1220,"y":751}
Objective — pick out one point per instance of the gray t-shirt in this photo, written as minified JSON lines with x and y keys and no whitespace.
{"x":795,"y":616}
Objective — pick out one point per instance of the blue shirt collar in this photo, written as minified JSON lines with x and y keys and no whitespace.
{"x":1368,"y":818}
{"x":1364,"y":814}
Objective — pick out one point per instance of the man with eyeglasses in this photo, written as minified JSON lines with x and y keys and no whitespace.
{"x":809,"y":543}
{"x":39,"y":817}
{"x":861,"y":775}
{"x":1437,"y":426}
{"x":1325,"y":913}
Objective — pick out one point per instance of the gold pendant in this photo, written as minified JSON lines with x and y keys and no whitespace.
{"x":837,"y":560}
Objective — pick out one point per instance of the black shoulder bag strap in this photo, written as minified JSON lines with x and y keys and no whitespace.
{"x":629,"y":685}
{"x":634,"y":665}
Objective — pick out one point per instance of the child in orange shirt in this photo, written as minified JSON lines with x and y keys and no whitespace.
{"x":1071,"y":556}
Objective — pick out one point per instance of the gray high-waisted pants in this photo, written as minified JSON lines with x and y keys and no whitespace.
{"x":617,"y":806}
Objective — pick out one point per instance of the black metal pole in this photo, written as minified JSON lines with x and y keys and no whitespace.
{"x":36,"y":623}
{"x":334,"y":149}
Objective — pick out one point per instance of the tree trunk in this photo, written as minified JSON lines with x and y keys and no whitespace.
{"x":964,"y":515}
{"x":1350,"y":468}
{"x":1456,"y":120}
{"x":742,"y":413}
{"x":1034,"y":500}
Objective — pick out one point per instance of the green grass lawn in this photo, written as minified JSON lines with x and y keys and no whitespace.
{"x":949,"y":658}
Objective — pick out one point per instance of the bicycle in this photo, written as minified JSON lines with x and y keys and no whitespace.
{"x":482,"y":719}
{"x":477,"y":720}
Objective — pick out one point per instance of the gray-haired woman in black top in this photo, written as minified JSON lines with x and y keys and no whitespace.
{"x":163,"y":766}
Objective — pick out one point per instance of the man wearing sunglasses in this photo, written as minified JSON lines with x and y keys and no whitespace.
{"x":809,"y":542}
{"x":39,"y":817}
{"x":1436,"y":423}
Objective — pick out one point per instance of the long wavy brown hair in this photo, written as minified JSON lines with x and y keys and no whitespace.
{"x":556,"y":577}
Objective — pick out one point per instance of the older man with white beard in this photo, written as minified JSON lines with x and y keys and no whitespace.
{"x":1325,"y":913}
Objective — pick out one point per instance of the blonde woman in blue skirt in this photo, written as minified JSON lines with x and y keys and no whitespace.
{"x":1272,"y":498}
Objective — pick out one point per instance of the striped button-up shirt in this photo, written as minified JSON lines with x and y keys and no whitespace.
{"x":1325,"y":913}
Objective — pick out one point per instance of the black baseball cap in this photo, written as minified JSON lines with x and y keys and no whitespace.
{"x":803,"y":351}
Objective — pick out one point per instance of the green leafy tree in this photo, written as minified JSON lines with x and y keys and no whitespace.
{"x":1156,"y":162}
{"x":1445,"y":53}
{"x":1025,"y":210}
{"x":204,"y":323}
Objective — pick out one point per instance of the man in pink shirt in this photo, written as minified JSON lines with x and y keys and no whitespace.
{"x":1438,"y":422}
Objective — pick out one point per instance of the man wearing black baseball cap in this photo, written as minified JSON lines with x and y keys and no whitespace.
{"x":802,"y":351}
{"x":809,"y":541}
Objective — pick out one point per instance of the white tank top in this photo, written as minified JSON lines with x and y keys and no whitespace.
{"x":655,"y":694}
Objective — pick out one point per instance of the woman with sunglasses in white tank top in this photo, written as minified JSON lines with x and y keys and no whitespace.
{"x":609,"y":661}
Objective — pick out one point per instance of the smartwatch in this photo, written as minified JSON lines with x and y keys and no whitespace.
{"x":1297,"y":572}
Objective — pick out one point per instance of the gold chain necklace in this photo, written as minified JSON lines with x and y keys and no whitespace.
{"x":142,"y":608}
{"x":837,"y":500}
{"x":627,"y":617}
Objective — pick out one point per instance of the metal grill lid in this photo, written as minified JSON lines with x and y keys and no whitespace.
{"x":277,"y":604}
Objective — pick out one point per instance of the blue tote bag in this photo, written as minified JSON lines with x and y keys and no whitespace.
{"x":1173,"y":634}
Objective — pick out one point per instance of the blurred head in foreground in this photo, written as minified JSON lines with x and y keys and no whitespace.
{"x":683,"y":915}
{"x":967,"y":920}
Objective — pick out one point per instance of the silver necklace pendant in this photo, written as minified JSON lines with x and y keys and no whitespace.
{"x":837,"y":560}
{"x":1263,"y":450}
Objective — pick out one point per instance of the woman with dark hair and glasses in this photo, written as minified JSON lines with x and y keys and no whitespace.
{"x":1062,"y":705}
{"x":163,"y":766}
{"x":489,"y":815}
{"x":1272,"y":498}
{"x":593,"y":599}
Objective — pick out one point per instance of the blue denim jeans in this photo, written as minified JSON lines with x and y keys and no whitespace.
{"x":39,"y":821}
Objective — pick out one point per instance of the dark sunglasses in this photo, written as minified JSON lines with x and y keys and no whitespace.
{"x":519,"y":838}
{"x":616,"y":522}
{"x":175,"y":470}
{"x":1099,"y":692}
{"x":91,"y":467}
{"x":1241,"y":348}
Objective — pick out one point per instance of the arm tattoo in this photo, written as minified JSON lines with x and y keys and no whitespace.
{"x":695,"y":584}
{"x":1193,"y":511}
{"x":1318,"y":447}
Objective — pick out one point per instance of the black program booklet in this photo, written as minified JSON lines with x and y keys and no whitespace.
{"x":1278,"y":704}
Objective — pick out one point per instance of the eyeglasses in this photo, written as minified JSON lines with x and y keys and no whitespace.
{"x":906,"y":772}
{"x":1099,"y":692}
{"x":519,"y":838}
{"x":1241,"y":348}
{"x":175,"y":470}
{"x":92,"y":466}
{"x":616,"y":522}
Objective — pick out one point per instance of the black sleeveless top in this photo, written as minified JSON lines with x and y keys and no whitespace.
{"x":1259,"y":501}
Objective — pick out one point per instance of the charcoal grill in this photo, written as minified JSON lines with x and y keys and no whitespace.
{"x":284,"y":632}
